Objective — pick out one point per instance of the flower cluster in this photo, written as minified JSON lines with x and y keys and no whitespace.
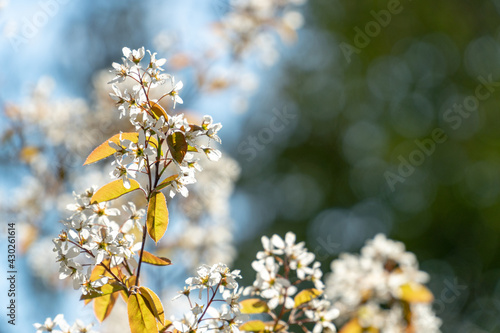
{"x":379,"y":291}
{"x":51,"y":326}
{"x":219,"y":283}
{"x":248,"y":24}
{"x":382,"y":290}
{"x":162,"y":138}
{"x":281,"y":268}
{"x":91,"y":237}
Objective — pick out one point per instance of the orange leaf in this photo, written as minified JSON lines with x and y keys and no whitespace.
{"x":151,"y":259}
{"x":104,"y":149}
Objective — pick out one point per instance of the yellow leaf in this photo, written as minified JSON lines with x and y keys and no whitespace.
{"x":103,"y":306}
{"x":155,"y":303}
{"x":253,"y":326}
{"x":191,"y":148}
{"x":178,"y":146}
{"x":151,"y":259}
{"x":99,"y":270}
{"x":113,"y":190}
{"x":140,"y":317}
{"x":158,"y":111}
{"x":157,"y":221}
{"x":415,"y":293}
{"x":352,"y":326}
{"x":104,"y":149}
{"x":306,"y":295}
{"x":253,"y":305}
{"x":129,"y":283}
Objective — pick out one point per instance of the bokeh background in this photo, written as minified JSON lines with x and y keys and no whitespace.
{"x":355,"y":110}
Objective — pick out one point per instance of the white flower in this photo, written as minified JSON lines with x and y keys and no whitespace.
{"x":179,"y":185}
{"x":101,"y":212}
{"x":49,"y":324}
{"x":276,"y":297}
{"x":121,"y":72}
{"x":80,"y":327}
{"x":134,"y":56}
{"x":212,"y":154}
{"x":124,"y":172}
{"x":134,"y":217}
{"x":187,"y":324}
{"x":174,"y":93}
{"x":210,"y":128}
{"x":232,"y":298}
{"x":156,"y":63}
{"x":301,"y":263}
{"x":272,"y":246}
{"x":316,"y":276}
{"x":185,"y":292}
{"x":322,"y":314}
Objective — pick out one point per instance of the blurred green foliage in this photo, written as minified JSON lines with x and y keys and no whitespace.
{"x":324,"y":177}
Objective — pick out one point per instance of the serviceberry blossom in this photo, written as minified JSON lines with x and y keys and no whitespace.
{"x":283,"y":268}
{"x":382,"y":289}
{"x":51,"y":325}
{"x":164,"y":139}
{"x":218,"y":282}
{"x":92,"y":236}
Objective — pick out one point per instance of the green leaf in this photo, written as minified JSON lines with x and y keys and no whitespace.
{"x":253,"y":326}
{"x":306,"y":295}
{"x":157,"y":220}
{"x":253,"y":305}
{"x":113,"y":190}
{"x":140,"y":317}
{"x":151,"y":259}
{"x":104,"y":149}
{"x":178,"y":146}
